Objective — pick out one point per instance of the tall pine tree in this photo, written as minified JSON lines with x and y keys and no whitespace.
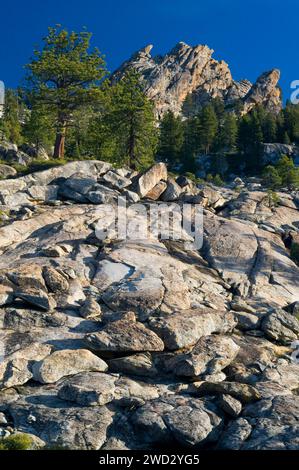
{"x":171,"y":138}
{"x":64,"y":76}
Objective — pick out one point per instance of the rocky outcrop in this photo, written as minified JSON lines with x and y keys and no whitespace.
{"x":23,"y":155}
{"x":188,"y":71}
{"x":273,"y":152}
{"x":114,"y":340}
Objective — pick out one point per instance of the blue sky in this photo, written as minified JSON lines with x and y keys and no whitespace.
{"x":252,"y":36}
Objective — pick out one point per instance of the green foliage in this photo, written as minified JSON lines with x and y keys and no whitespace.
{"x":269,"y":128}
{"x":38,"y":128}
{"x":64,"y":76}
{"x":208,"y":127}
{"x":273,"y":198}
{"x":215,"y":179}
{"x":288,"y":172}
{"x":10,"y":124}
{"x":291,"y":122}
{"x":127,"y":128}
{"x":171,"y":138}
{"x":191,"y":144}
{"x":228,"y":133}
{"x":271,"y":177}
{"x":284,"y":174}
{"x":16,"y":442}
{"x":250,"y":137}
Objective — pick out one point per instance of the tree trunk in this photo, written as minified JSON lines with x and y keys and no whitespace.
{"x":60,"y":142}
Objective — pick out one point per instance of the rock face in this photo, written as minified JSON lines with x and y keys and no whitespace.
{"x":191,"y":71}
{"x":134,"y":340}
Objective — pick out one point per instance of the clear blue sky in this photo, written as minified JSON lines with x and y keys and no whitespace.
{"x":252,"y":36}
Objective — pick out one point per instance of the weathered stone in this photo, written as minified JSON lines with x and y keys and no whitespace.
{"x":17,"y":372}
{"x":243,"y":392}
{"x":88,"y":389}
{"x":60,"y":425}
{"x":90,"y":308}
{"x":185,"y":328}
{"x":281,"y":326}
{"x":115,"y":180}
{"x":210,"y":355}
{"x":172,"y":192}
{"x":55,"y":282}
{"x":66,"y":362}
{"x":235,"y":434}
{"x":136,"y":364}
{"x":24,"y":319}
{"x":7,"y":171}
{"x":186,"y":420}
{"x":157,"y":190}
{"x":148,"y":180}
{"x":124,"y":335}
{"x":36,"y":297}
{"x":247,"y":321}
{"x":230,"y":405}
{"x":141,"y":292}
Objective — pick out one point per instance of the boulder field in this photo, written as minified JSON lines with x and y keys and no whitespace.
{"x":116,"y":342}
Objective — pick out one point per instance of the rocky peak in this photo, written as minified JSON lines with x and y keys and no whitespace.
{"x":191,"y":70}
{"x":264,"y":90}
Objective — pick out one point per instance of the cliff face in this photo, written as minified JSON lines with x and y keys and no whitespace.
{"x":188,"y":70}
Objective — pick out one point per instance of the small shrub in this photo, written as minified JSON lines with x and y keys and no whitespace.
{"x":218,"y":181}
{"x":273,"y":198}
{"x":16,"y":442}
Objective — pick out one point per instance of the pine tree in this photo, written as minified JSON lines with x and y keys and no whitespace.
{"x":171,"y":138}
{"x":38,"y":128}
{"x":269,"y":127}
{"x":271,"y":177}
{"x":208,"y":127}
{"x":291,"y":121}
{"x":188,"y":108}
{"x":11,"y":122}
{"x":65,"y":76}
{"x":288,"y":172}
{"x":191,"y":145}
{"x":131,"y":121}
{"x":228,"y":133}
{"x":250,"y":138}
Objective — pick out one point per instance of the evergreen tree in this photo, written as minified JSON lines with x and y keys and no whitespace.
{"x":188,"y":108}
{"x":291,"y":121}
{"x":11,"y":122}
{"x":171,"y":138}
{"x":65,"y":76}
{"x":191,"y":145}
{"x":38,"y":128}
{"x":219,"y":108}
{"x":131,"y":121}
{"x":288,"y":173}
{"x":271,"y":177}
{"x":208,"y":127}
{"x":228,"y":133}
{"x":269,"y":128}
{"x":250,"y":138}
